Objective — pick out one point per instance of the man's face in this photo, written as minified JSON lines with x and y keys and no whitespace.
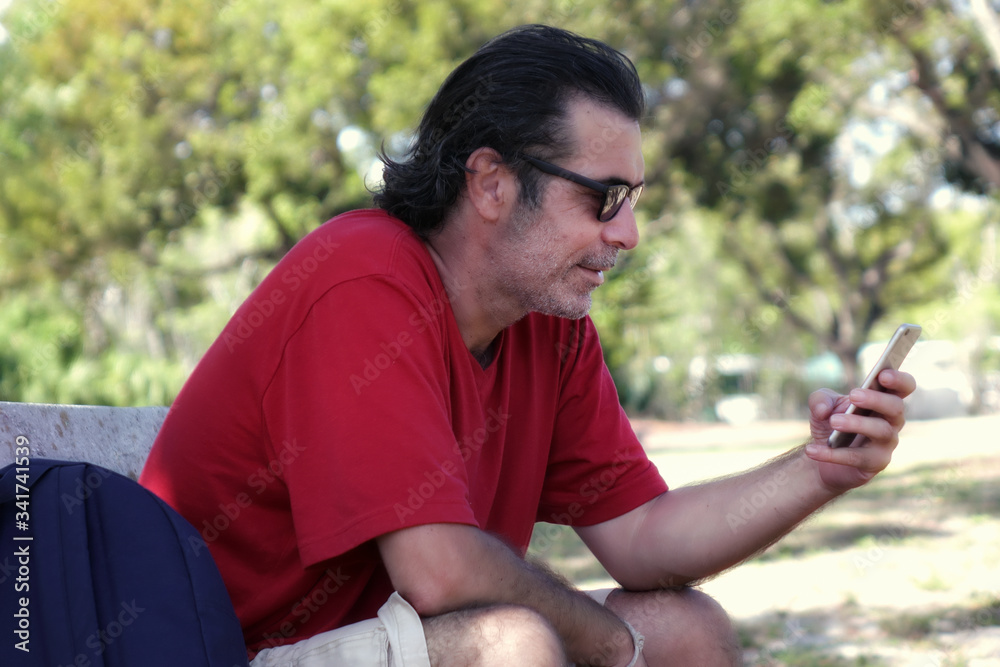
{"x":552,"y":258}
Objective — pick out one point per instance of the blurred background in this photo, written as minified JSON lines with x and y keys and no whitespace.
{"x":817,"y":172}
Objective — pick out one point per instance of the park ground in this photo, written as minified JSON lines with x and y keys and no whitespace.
{"x":905,"y":571}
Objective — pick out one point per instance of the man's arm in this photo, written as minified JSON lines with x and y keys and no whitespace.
{"x":439,"y":568}
{"x":691,"y":533}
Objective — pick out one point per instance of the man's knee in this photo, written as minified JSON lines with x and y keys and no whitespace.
{"x":680,"y":622}
{"x":497,"y":635}
{"x":518,"y":635}
{"x":714,"y":622}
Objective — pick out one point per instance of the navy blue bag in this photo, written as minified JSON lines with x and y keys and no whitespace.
{"x":96,"y":571}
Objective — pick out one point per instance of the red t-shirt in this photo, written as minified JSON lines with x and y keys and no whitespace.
{"x":340,"y":403}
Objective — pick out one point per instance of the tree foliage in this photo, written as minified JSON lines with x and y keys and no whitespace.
{"x":816,"y":172}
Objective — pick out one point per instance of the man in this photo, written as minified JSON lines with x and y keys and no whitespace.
{"x":370,"y":441}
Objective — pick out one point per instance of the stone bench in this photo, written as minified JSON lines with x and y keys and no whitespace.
{"x":118,"y":439}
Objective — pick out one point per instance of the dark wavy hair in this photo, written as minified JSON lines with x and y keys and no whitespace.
{"x":512,"y":96}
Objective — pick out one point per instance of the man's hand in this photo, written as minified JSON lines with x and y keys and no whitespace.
{"x":849,"y":467}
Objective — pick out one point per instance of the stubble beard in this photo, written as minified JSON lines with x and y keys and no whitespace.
{"x":554,"y":292}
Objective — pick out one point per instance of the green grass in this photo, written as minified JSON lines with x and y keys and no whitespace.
{"x":909,"y":626}
{"x":920,"y":625}
{"x":814,"y":657}
{"x":915,"y":506}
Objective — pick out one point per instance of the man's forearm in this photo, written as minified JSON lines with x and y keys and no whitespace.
{"x":691,"y":533}
{"x":593,"y":634}
{"x":712,"y":526}
{"x":467,"y":567}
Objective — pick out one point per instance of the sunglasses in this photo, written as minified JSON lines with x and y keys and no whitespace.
{"x":614,"y":195}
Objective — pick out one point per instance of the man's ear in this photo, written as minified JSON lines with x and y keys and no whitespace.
{"x":490,"y":186}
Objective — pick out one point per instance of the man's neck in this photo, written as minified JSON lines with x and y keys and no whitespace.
{"x":485,"y":357}
{"x":478,"y":323}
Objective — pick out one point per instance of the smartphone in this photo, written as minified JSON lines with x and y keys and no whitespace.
{"x":899,"y":345}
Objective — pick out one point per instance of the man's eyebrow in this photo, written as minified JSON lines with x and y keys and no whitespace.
{"x":615,"y":180}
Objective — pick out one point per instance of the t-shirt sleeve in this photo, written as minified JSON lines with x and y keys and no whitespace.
{"x":597,"y":468}
{"x":362,"y":391}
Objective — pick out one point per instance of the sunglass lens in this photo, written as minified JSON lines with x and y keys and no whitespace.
{"x":613,"y":200}
{"x":633,"y":196}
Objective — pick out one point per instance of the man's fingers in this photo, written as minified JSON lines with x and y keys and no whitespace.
{"x":822,"y":404}
{"x":888,"y":405}
{"x":869,"y":460}
{"x":897,"y":382}
{"x":876,"y":428}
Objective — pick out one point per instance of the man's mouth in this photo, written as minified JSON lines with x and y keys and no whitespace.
{"x":596,"y":271}
{"x":598,"y":263}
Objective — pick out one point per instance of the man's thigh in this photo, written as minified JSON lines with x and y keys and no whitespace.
{"x":400,"y":638}
{"x":493,"y":636}
{"x":394,"y":639}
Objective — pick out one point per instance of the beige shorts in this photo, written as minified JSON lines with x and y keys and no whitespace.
{"x":394,"y":639}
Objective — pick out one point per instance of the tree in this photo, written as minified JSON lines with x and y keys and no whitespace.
{"x":155,"y":160}
{"x":812,"y":151}
{"x":809,"y":169}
